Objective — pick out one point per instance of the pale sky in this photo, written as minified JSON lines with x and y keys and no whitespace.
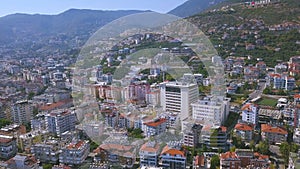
{"x":58,"y":6}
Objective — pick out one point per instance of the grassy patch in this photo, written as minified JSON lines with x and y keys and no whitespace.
{"x":267,"y":102}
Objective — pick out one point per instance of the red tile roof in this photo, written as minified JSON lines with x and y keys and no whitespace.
{"x":75,"y":146}
{"x":172,"y":152}
{"x":147,"y":148}
{"x":269,"y":129}
{"x":260,"y":156}
{"x":243,"y":127}
{"x":231,"y":155}
{"x":156,"y":123}
{"x":223,"y":128}
{"x":55,"y":105}
{"x":297,"y":96}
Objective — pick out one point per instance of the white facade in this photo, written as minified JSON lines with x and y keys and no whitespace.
{"x":177,"y":97}
{"x":60,"y":121}
{"x":74,"y":153}
{"x":149,"y":154}
{"x":211,"y":110}
{"x":250,"y":113}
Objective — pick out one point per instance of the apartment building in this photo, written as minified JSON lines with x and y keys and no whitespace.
{"x":116,"y":154}
{"x":75,"y":152}
{"x":177,"y":97}
{"x":149,"y":154}
{"x":155,"y":127}
{"x":214,"y":137}
{"x":60,"y":121}
{"x":191,"y":135}
{"x":245,"y":131}
{"x":250,"y":113}
{"x":22,"y":112}
{"x":8,"y":147}
{"x":273,"y":134}
{"x":46,"y":152}
{"x":172,"y":157}
{"x":210,"y":110}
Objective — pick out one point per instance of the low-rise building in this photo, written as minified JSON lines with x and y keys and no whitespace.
{"x":229,"y":160}
{"x":23,"y":162}
{"x":244,"y":158}
{"x":245,"y":131}
{"x":273,"y":134}
{"x":172,"y":157}
{"x":116,"y":154}
{"x":155,"y":127}
{"x":75,"y":152}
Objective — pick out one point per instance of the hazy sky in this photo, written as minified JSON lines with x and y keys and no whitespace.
{"x":58,"y":6}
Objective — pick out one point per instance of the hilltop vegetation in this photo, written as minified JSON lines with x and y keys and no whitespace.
{"x":234,"y":28}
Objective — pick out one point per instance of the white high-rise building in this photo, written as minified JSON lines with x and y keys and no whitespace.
{"x":250,"y":113}
{"x":177,"y":97}
{"x":60,"y":121}
{"x":211,"y":110}
{"x":22,"y":112}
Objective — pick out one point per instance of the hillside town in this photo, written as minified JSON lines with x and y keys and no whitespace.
{"x":56,"y":114}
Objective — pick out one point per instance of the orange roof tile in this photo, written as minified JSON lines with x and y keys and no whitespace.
{"x":223,"y":128}
{"x":260,"y":156}
{"x":243,"y":127}
{"x":172,"y":152}
{"x":269,"y":129}
{"x":75,"y":146}
{"x":228,"y":154}
{"x":147,"y":148}
{"x":156,"y":123}
{"x":246,"y":106}
{"x":55,"y":105}
{"x":297,"y":96}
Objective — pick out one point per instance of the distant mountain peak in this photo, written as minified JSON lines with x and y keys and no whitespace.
{"x":192,"y":7}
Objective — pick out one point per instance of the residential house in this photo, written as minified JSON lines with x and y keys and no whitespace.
{"x":245,"y":131}
{"x":273,"y":134}
{"x":172,"y":157}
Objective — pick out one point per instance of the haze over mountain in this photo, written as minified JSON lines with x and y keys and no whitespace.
{"x":192,"y":7}
{"x":19,"y":27}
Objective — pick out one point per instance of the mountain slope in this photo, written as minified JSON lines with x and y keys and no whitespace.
{"x":269,"y":31}
{"x":18,"y":27}
{"x":192,"y":7}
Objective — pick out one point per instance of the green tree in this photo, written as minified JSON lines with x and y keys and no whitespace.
{"x":285,"y":149}
{"x":30,"y":95}
{"x":215,"y":162}
{"x":263,"y":147}
{"x":47,"y":166}
{"x":4,"y":122}
{"x":252,"y":145}
{"x":232,"y":149}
